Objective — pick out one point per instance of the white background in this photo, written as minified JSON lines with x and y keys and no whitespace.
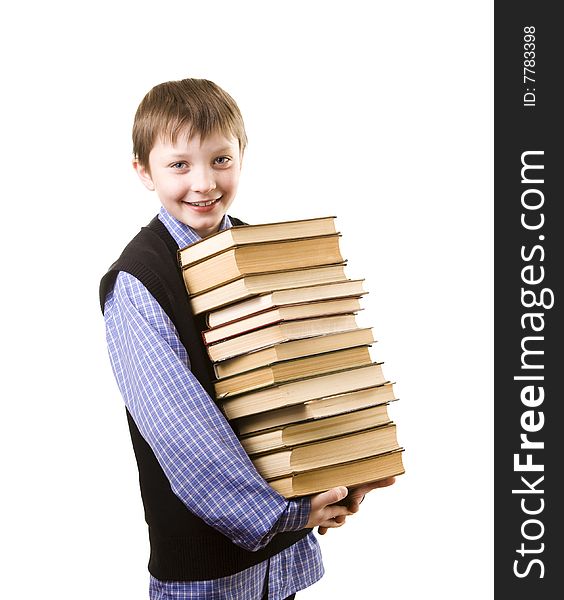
{"x":380,"y":113}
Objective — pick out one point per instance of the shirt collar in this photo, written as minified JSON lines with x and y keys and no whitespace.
{"x":183,"y":234}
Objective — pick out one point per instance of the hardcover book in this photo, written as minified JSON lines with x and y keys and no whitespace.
{"x":261,"y":257}
{"x":250,"y":234}
{"x":314,"y":455}
{"x":350,"y":288}
{"x":350,"y":474}
{"x":295,"y":434}
{"x":280,"y":332}
{"x":293,"y":349}
{"x":315,"y":409}
{"x":278,"y":314}
{"x":297,"y":392}
{"x":293,"y":369}
{"x":248,"y":286}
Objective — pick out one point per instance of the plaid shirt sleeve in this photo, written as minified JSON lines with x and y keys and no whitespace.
{"x":206,"y":465}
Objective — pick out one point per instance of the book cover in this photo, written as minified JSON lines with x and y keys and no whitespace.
{"x":262,"y":257}
{"x":293,"y":369}
{"x":342,"y":448}
{"x":280,"y":332}
{"x":296,"y":392}
{"x":319,"y":408}
{"x":246,"y":286}
{"x":254,"y":233}
{"x":292,"y":312}
{"x":353,"y":473}
{"x":293,"y":434}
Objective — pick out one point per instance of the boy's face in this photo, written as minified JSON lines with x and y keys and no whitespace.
{"x":196,"y":181}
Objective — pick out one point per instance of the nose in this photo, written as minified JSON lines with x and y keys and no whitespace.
{"x":202,"y":180}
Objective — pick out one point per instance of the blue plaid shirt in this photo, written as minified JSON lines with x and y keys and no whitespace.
{"x":202,"y":458}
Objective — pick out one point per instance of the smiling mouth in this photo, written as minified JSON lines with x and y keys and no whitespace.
{"x":206,"y":203}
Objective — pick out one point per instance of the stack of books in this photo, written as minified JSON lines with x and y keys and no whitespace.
{"x":294,"y":374}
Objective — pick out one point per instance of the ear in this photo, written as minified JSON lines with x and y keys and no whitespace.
{"x":144,"y":175}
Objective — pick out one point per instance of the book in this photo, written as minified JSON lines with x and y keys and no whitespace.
{"x":314,"y":455}
{"x":294,"y":375}
{"x":248,"y":234}
{"x":293,"y":349}
{"x":311,"y":410}
{"x":292,"y":369}
{"x":251,"y":285}
{"x":302,"y":390}
{"x":280,"y":332}
{"x":278,"y":314}
{"x":268,"y":300}
{"x":350,"y":474}
{"x":288,"y":435}
{"x":261,"y":257}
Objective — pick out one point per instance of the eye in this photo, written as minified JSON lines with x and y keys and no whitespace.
{"x":179,"y":165}
{"x":222,"y":161}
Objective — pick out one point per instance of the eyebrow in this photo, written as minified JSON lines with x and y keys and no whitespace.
{"x":224,"y":149}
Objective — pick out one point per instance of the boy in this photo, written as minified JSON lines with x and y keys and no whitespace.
{"x":216,"y":528}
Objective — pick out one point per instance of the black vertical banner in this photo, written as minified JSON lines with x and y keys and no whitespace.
{"x":529,"y":337}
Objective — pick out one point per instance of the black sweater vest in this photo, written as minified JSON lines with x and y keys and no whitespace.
{"x":183,"y":547}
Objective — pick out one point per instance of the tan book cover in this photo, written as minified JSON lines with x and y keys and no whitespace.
{"x":249,"y":234}
{"x":277,"y":298}
{"x":303,"y":432}
{"x":350,"y":474}
{"x":247,"y":286}
{"x":293,"y":369}
{"x":261,"y":257}
{"x":296,"y":392}
{"x":315,"y":409}
{"x":278,"y":314}
{"x":280,"y":332}
{"x":322,"y":453}
{"x":293,"y":349}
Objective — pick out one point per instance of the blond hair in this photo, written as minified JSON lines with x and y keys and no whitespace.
{"x":196,"y":106}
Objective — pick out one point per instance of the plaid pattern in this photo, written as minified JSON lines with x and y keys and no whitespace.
{"x":294,"y":569}
{"x":197,"y":448}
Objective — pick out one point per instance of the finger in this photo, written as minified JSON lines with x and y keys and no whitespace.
{"x":364,"y":489}
{"x":331,"y":524}
{"x":335,"y":510}
{"x":354,"y":505}
{"x":386,"y":482}
{"x":336,"y":522}
{"x":382,"y":483}
{"x":329,"y":497}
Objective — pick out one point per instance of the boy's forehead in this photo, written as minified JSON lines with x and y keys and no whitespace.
{"x":187,"y":139}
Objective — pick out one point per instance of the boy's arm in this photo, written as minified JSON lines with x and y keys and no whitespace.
{"x":206,"y":465}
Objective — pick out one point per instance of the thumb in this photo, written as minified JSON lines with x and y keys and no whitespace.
{"x":330,"y":496}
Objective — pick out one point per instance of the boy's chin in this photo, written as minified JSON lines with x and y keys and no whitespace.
{"x":203,"y":225}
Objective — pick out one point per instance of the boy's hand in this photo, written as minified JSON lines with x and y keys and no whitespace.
{"x":355,"y":497}
{"x":325,"y":513}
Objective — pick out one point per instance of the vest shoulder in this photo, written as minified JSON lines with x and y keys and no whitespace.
{"x":236,"y":221}
{"x":148,"y":256}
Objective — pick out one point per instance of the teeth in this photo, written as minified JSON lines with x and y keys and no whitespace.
{"x":208,"y":203}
